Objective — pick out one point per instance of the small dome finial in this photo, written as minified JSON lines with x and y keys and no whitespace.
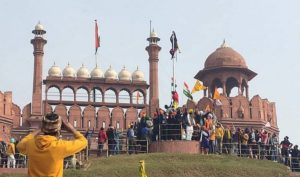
{"x":224,"y":44}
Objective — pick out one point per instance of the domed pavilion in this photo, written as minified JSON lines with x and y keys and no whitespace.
{"x":226,"y":70}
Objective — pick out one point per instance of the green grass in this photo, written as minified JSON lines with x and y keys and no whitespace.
{"x":178,"y":165}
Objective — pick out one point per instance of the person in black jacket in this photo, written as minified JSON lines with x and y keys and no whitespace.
{"x":295,"y":153}
{"x":110,"y":132}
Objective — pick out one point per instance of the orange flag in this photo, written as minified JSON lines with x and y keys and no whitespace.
{"x":216,"y":94}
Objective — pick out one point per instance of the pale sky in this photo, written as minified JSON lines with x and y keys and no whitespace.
{"x":265,"y":32}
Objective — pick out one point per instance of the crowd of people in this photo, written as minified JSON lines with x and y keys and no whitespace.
{"x":181,"y":124}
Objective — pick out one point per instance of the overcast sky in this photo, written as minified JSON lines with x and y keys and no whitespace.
{"x":265,"y":32}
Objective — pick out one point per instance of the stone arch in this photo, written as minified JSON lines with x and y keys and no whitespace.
{"x":244,"y":87}
{"x":230,"y":84}
{"x":240,"y":104}
{"x":103,"y":117}
{"x":96,"y":95}
{"x":68,"y":94}
{"x":117,"y":118}
{"x":272,"y":108}
{"x":89,"y":118}
{"x":110,"y":95}
{"x":138,"y":97}
{"x":223,"y":111}
{"x":124,"y":96}
{"x":61,"y":110}
{"x":190,"y":104}
{"x":82,"y":94}
{"x":131,"y":116}
{"x":256,"y":107}
{"x":216,"y":83}
{"x":75,"y":116}
{"x":53,"y":93}
{"x":265,"y":103}
{"x":205,"y":103}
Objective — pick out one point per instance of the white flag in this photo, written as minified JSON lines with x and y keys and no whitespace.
{"x":268,"y":124}
{"x":218,"y":103}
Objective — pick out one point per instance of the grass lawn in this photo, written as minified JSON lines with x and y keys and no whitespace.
{"x":178,"y":165}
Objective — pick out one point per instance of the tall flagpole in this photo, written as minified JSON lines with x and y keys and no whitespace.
{"x":150,"y":28}
{"x":96,"y":59}
{"x":173,"y":73}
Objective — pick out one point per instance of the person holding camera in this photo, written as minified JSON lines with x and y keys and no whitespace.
{"x":45,"y":151}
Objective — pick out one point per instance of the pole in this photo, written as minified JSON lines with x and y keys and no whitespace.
{"x":150,"y":28}
{"x":173,"y":74}
{"x":96,"y":62}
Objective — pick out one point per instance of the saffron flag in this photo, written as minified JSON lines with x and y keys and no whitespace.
{"x":174,"y":43}
{"x":216,"y":94}
{"x":186,"y":91}
{"x":198,"y":86}
{"x":97,"y":37}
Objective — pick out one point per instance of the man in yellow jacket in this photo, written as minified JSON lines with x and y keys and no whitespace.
{"x":219,"y":137}
{"x":45,"y":151}
{"x":11,"y":151}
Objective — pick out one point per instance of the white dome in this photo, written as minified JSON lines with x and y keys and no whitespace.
{"x":39,"y":26}
{"x":97,"y":73}
{"x":69,"y":71}
{"x":138,"y":75}
{"x":83,"y":72}
{"x":111,"y":73}
{"x":124,"y":74}
{"x":54,"y":71}
{"x":153,"y":34}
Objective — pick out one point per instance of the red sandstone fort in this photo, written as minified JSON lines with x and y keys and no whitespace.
{"x":97,"y":98}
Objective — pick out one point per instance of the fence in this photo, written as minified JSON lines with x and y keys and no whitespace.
{"x":173,"y":132}
{"x":21,"y":161}
{"x":117,"y":146}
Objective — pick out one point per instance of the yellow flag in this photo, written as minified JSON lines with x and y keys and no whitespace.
{"x":216,"y":94}
{"x":142,"y":169}
{"x":198,"y":86}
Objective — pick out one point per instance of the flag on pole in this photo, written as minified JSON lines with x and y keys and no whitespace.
{"x":175,"y":99}
{"x":174,"y":43}
{"x":198,"y":86}
{"x":97,"y":37}
{"x":216,"y":95}
{"x":186,"y":91}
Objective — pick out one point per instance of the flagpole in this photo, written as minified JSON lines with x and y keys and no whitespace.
{"x":173,"y":74}
{"x":150,"y":27}
{"x":96,"y":59}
